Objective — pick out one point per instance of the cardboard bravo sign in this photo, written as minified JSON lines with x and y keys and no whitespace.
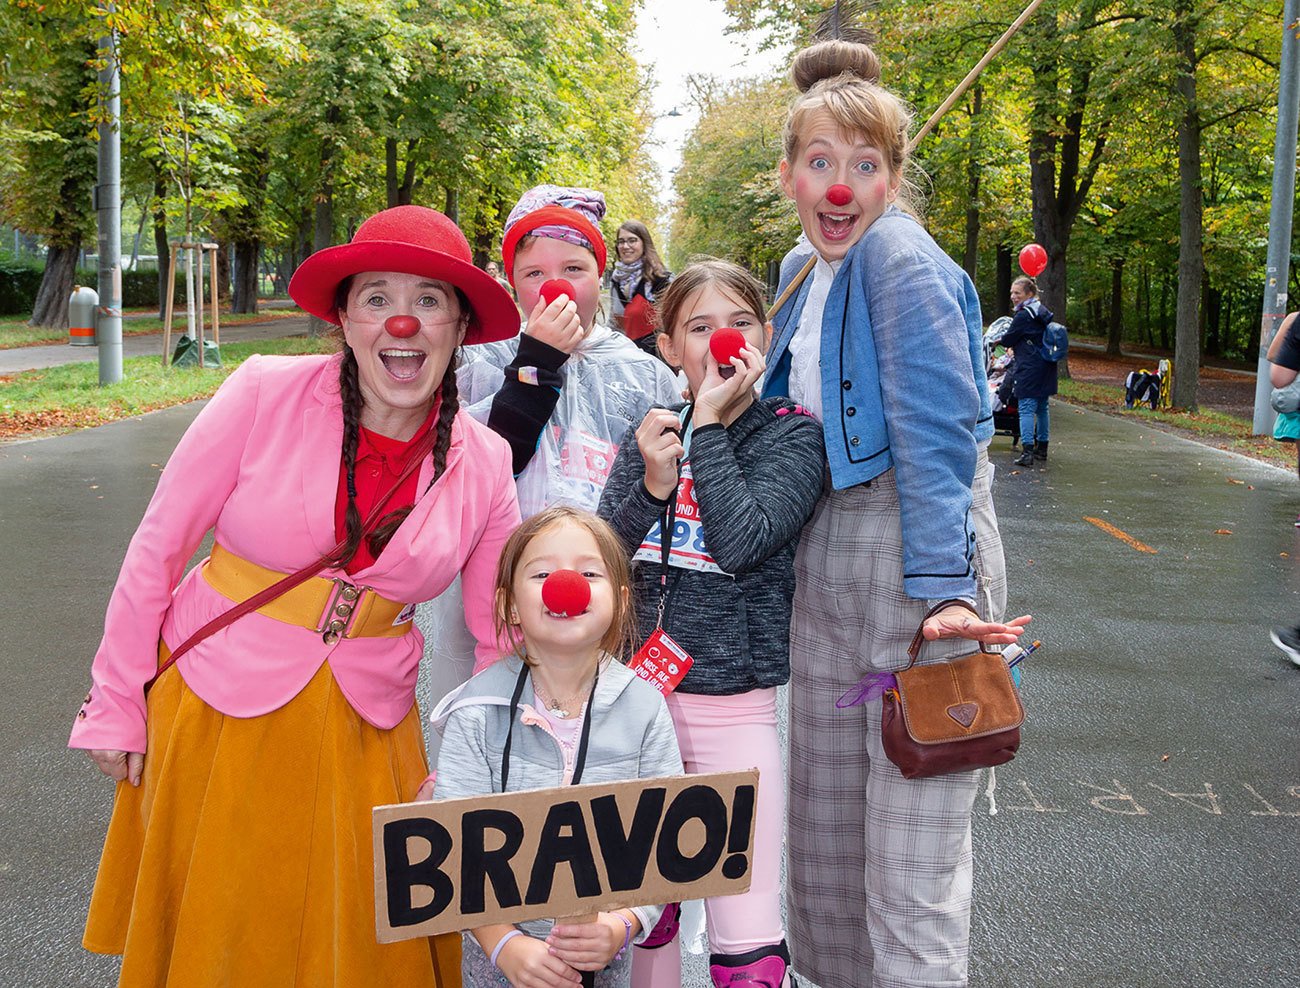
{"x":568,"y":851}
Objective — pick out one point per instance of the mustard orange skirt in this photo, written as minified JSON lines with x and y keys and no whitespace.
{"x":245,"y":856}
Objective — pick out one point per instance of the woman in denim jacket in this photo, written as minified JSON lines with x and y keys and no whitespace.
{"x":882,"y":344}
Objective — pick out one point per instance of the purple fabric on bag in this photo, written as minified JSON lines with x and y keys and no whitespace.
{"x":870,"y":687}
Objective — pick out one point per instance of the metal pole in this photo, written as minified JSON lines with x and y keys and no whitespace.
{"x":108,"y":206}
{"x":1279,"y":218}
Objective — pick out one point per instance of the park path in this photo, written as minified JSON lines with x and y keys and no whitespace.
{"x":1145,"y":832}
{"x":18,"y":359}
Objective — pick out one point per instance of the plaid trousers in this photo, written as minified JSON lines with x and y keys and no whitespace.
{"x":879,"y":884}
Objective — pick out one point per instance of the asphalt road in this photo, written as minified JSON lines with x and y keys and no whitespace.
{"x":146,"y":345}
{"x":1146,"y":835}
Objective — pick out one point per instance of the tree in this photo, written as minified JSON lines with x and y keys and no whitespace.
{"x":49,"y":161}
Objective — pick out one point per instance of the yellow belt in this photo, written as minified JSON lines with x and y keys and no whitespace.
{"x":333,"y":607}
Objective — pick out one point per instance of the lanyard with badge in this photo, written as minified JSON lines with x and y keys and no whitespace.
{"x":661,"y":661}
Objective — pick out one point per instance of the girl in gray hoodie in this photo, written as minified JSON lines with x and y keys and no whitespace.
{"x":561,"y":709}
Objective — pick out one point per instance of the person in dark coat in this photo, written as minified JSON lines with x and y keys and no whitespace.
{"x":1033,"y":378}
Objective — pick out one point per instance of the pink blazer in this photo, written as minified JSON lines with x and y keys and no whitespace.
{"x":261,"y":465}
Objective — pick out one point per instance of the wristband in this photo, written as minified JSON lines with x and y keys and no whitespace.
{"x":496,"y":951}
{"x":627,"y":937}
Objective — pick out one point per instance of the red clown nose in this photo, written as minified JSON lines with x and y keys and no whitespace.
{"x":839,"y":195}
{"x":724,"y":344}
{"x":556,"y":287}
{"x":401,"y":326}
{"x":566,"y":592}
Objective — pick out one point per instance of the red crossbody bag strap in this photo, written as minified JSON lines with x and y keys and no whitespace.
{"x":283,"y":586}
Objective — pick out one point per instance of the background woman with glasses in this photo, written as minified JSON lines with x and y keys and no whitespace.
{"x":638,"y":278}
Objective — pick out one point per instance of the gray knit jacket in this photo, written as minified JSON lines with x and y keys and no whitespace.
{"x":757,"y":482}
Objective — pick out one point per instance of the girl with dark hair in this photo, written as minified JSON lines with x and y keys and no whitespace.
{"x":252,"y":720}
{"x":637,"y":280}
{"x":734,"y":480}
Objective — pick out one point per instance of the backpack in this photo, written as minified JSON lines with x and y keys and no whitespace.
{"x":1056,"y":341}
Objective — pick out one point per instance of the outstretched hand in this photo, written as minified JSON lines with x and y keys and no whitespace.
{"x":961,"y":622}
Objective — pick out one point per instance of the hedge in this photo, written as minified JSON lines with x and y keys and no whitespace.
{"x":20,"y":279}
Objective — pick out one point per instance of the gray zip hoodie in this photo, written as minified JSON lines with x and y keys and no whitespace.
{"x":632,"y":737}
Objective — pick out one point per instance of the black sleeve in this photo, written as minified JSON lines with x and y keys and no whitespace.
{"x":748,"y":515}
{"x":1021,"y":324}
{"x":522,"y":408}
{"x":1288,"y":355}
{"x":630,"y":509}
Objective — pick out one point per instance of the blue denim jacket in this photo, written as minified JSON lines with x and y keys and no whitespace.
{"x":903,"y":386}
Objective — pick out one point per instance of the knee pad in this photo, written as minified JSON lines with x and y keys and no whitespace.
{"x":665,"y":930}
{"x":764,"y":967}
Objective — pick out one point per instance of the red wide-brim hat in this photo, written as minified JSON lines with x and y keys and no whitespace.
{"x":409,"y":240}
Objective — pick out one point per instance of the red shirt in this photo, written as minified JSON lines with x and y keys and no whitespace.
{"x":380,"y":461}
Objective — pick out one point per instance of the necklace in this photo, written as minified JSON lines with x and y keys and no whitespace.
{"x":559,"y":706}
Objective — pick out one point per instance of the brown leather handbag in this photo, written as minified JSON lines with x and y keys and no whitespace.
{"x":951,"y":716}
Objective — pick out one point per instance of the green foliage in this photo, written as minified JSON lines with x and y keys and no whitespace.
{"x":729,"y":204}
{"x":20,"y":278}
{"x":1088,"y":87}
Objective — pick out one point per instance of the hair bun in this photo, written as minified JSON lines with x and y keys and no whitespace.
{"x":833,"y":57}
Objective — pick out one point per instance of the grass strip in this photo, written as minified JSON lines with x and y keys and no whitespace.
{"x":15,"y":332}
{"x":59,"y":399}
{"x":1209,"y":427}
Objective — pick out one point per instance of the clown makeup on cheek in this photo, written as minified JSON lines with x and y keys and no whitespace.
{"x":840,"y":184}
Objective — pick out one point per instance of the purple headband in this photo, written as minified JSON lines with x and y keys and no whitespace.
{"x":588,"y":202}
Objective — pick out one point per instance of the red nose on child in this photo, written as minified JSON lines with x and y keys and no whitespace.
{"x":556,"y":287}
{"x":725,"y":343}
{"x":839,"y":195}
{"x":401,"y":326}
{"x":566,"y":592}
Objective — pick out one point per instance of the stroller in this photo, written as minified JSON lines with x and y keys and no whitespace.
{"x":997,"y":364}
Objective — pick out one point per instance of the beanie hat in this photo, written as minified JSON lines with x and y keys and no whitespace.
{"x":559,"y":213}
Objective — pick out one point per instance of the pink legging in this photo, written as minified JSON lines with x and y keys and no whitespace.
{"x":724,"y":734}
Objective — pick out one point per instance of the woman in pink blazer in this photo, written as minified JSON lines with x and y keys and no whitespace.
{"x":239,"y":851}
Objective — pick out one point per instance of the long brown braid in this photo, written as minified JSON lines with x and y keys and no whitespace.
{"x":353,"y":400}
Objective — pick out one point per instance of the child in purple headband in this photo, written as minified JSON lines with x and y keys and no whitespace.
{"x":566,"y":389}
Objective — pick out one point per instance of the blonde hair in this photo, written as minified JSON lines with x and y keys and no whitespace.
{"x":842,"y":79}
{"x":1024,"y":281}
{"x":621,"y":636}
{"x":701,"y":272}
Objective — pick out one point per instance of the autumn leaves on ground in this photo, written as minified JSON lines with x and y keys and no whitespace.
{"x":59,"y":399}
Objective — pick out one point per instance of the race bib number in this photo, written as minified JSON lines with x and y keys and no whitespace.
{"x":661,"y":662}
{"x":688,"y":549}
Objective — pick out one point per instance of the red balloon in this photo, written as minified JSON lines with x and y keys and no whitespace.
{"x":839,"y":195}
{"x":1033,"y":260}
{"x":553,"y":289}
{"x":402,"y":326}
{"x":566,"y":592}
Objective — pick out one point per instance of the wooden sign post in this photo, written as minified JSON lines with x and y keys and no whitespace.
{"x":570,"y":851}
